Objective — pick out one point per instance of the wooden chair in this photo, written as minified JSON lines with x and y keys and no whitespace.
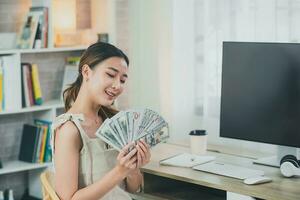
{"x":47,"y":180}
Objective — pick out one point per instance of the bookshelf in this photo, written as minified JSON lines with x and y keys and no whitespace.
{"x":45,"y":50}
{"x":51,"y":79}
{"x":18,"y":166}
{"x":44,"y":107}
{"x":16,"y":174}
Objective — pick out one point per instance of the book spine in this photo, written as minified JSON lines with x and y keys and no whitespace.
{"x":36,"y":145}
{"x":36,"y":85}
{"x":46,"y":27}
{"x":38,"y":148}
{"x":47,"y":154}
{"x":25,"y":85}
{"x":43,"y":144}
{"x":12,"y":83}
{"x":1,"y":87}
{"x":29,"y":85}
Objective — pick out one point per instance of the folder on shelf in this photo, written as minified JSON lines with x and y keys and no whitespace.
{"x":29,"y":142}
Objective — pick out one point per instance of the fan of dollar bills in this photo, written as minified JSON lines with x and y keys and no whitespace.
{"x":132,"y":125}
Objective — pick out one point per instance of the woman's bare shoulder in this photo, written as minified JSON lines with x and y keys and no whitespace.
{"x":68,"y":132}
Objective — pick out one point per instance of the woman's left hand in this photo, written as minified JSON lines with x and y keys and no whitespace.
{"x":143,"y":153}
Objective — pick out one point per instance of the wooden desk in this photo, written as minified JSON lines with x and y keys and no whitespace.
{"x":280,"y":188}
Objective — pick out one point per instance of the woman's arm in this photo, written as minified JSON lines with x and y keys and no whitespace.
{"x":67,"y":152}
{"x":135,"y":179}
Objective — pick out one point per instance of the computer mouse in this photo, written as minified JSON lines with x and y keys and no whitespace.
{"x":257,"y":180}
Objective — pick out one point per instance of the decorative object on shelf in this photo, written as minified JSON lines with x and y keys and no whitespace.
{"x":88,"y":36}
{"x":67,"y":39}
{"x":27,"y":34}
{"x":9,"y":194}
{"x":26,"y":196}
{"x":34,"y":32}
{"x":41,"y":37}
{"x":1,"y":195}
{"x":103,"y":37}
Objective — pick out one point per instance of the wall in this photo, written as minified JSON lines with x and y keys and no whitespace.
{"x":249,"y":20}
{"x":150,"y":44}
{"x":180,"y":56}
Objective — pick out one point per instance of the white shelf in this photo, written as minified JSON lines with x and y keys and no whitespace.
{"x":45,"y":50}
{"x":45,"y":106}
{"x":18,"y":166}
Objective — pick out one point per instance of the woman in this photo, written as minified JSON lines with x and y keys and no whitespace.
{"x":86,"y":167}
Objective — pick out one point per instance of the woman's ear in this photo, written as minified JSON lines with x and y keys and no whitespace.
{"x":86,"y":72}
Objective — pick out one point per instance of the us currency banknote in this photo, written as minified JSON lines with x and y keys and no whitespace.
{"x":132,"y":125}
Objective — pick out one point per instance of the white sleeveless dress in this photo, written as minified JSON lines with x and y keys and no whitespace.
{"x":95,"y":159}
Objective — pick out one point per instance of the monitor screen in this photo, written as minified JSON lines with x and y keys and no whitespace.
{"x":260,"y":95}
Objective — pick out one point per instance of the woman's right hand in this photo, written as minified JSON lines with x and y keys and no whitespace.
{"x":127,"y":161}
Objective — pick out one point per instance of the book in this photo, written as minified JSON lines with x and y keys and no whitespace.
{"x":29,"y":142}
{"x":27,"y":90}
{"x":43,"y":143}
{"x":12,"y":99}
{"x":47,"y":153}
{"x":39,"y":145}
{"x":38,"y":100}
{"x":186,"y":160}
{"x":1,"y":86}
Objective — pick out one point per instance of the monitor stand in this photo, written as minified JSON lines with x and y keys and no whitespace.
{"x":274,"y":161}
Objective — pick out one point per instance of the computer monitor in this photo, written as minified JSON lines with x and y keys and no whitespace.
{"x":260,"y":95}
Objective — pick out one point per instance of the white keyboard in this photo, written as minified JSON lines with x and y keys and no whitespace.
{"x":233,"y":171}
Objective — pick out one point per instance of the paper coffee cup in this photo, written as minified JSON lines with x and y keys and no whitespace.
{"x":198,"y":142}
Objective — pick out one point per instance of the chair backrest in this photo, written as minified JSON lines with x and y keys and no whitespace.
{"x":47,"y":179}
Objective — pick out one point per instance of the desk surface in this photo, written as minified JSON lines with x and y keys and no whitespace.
{"x":279,"y":188}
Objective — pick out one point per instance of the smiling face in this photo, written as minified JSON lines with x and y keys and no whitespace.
{"x":106,"y":81}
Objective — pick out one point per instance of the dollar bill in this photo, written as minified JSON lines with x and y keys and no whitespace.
{"x":122,"y":126}
{"x":105,"y":133}
{"x":131,"y":125}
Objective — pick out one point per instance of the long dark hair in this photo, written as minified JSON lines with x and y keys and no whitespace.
{"x":93,"y":55}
